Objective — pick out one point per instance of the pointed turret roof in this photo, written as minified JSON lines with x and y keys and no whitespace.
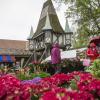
{"x":31,"y":34}
{"x":48,"y":11}
{"x":67,"y":29}
{"x":47,"y":23}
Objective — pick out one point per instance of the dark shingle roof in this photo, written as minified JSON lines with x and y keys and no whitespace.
{"x":54,"y":21}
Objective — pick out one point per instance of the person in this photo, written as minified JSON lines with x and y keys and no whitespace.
{"x":5,"y":69}
{"x":17,"y":71}
{"x":2,"y":65}
{"x":56,"y":57}
{"x":18,"y":65}
{"x":92,"y":52}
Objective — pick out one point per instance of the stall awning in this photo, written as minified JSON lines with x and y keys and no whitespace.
{"x":7,"y":58}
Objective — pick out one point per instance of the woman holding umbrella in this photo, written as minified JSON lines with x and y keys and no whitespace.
{"x":92,"y":52}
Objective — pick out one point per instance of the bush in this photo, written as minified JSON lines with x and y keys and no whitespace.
{"x":67,"y":65}
{"x":22,"y":76}
{"x":94,"y":69}
{"x":70,"y":65}
{"x":41,"y":75}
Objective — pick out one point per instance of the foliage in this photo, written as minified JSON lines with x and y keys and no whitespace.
{"x":73,"y":85}
{"x":95,"y":68}
{"x":31,"y":66}
{"x":86,"y":15}
{"x":41,"y":74}
{"x":22,"y":76}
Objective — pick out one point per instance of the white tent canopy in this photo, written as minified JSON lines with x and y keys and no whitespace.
{"x":66,"y":54}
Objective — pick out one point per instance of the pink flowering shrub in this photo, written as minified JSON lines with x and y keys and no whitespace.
{"x":64,"y":94}
{"x":87,"y":86}
{"x":9,"y":87}
{"x":49,"y":83}
{"x":57,"y":87}
{"x":25,"y":92}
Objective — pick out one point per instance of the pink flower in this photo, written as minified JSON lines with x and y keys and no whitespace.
{"x":26,"y":92}
{"x":49,"y":95}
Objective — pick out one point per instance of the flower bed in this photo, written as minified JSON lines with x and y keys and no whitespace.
{"x":67,"y":65}
{"x":71,"y":86}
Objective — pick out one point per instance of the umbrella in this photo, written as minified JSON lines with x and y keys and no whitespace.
{"x":95,"y":40}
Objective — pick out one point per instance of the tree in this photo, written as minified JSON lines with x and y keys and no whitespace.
{"x":86,"y":14}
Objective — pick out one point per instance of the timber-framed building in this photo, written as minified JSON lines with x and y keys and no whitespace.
{"x":48,"y":32}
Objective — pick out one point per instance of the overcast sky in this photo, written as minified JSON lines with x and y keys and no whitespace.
{"x":17,"y":16}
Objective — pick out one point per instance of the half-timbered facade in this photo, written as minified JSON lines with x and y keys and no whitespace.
{"x":49,"y":31}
